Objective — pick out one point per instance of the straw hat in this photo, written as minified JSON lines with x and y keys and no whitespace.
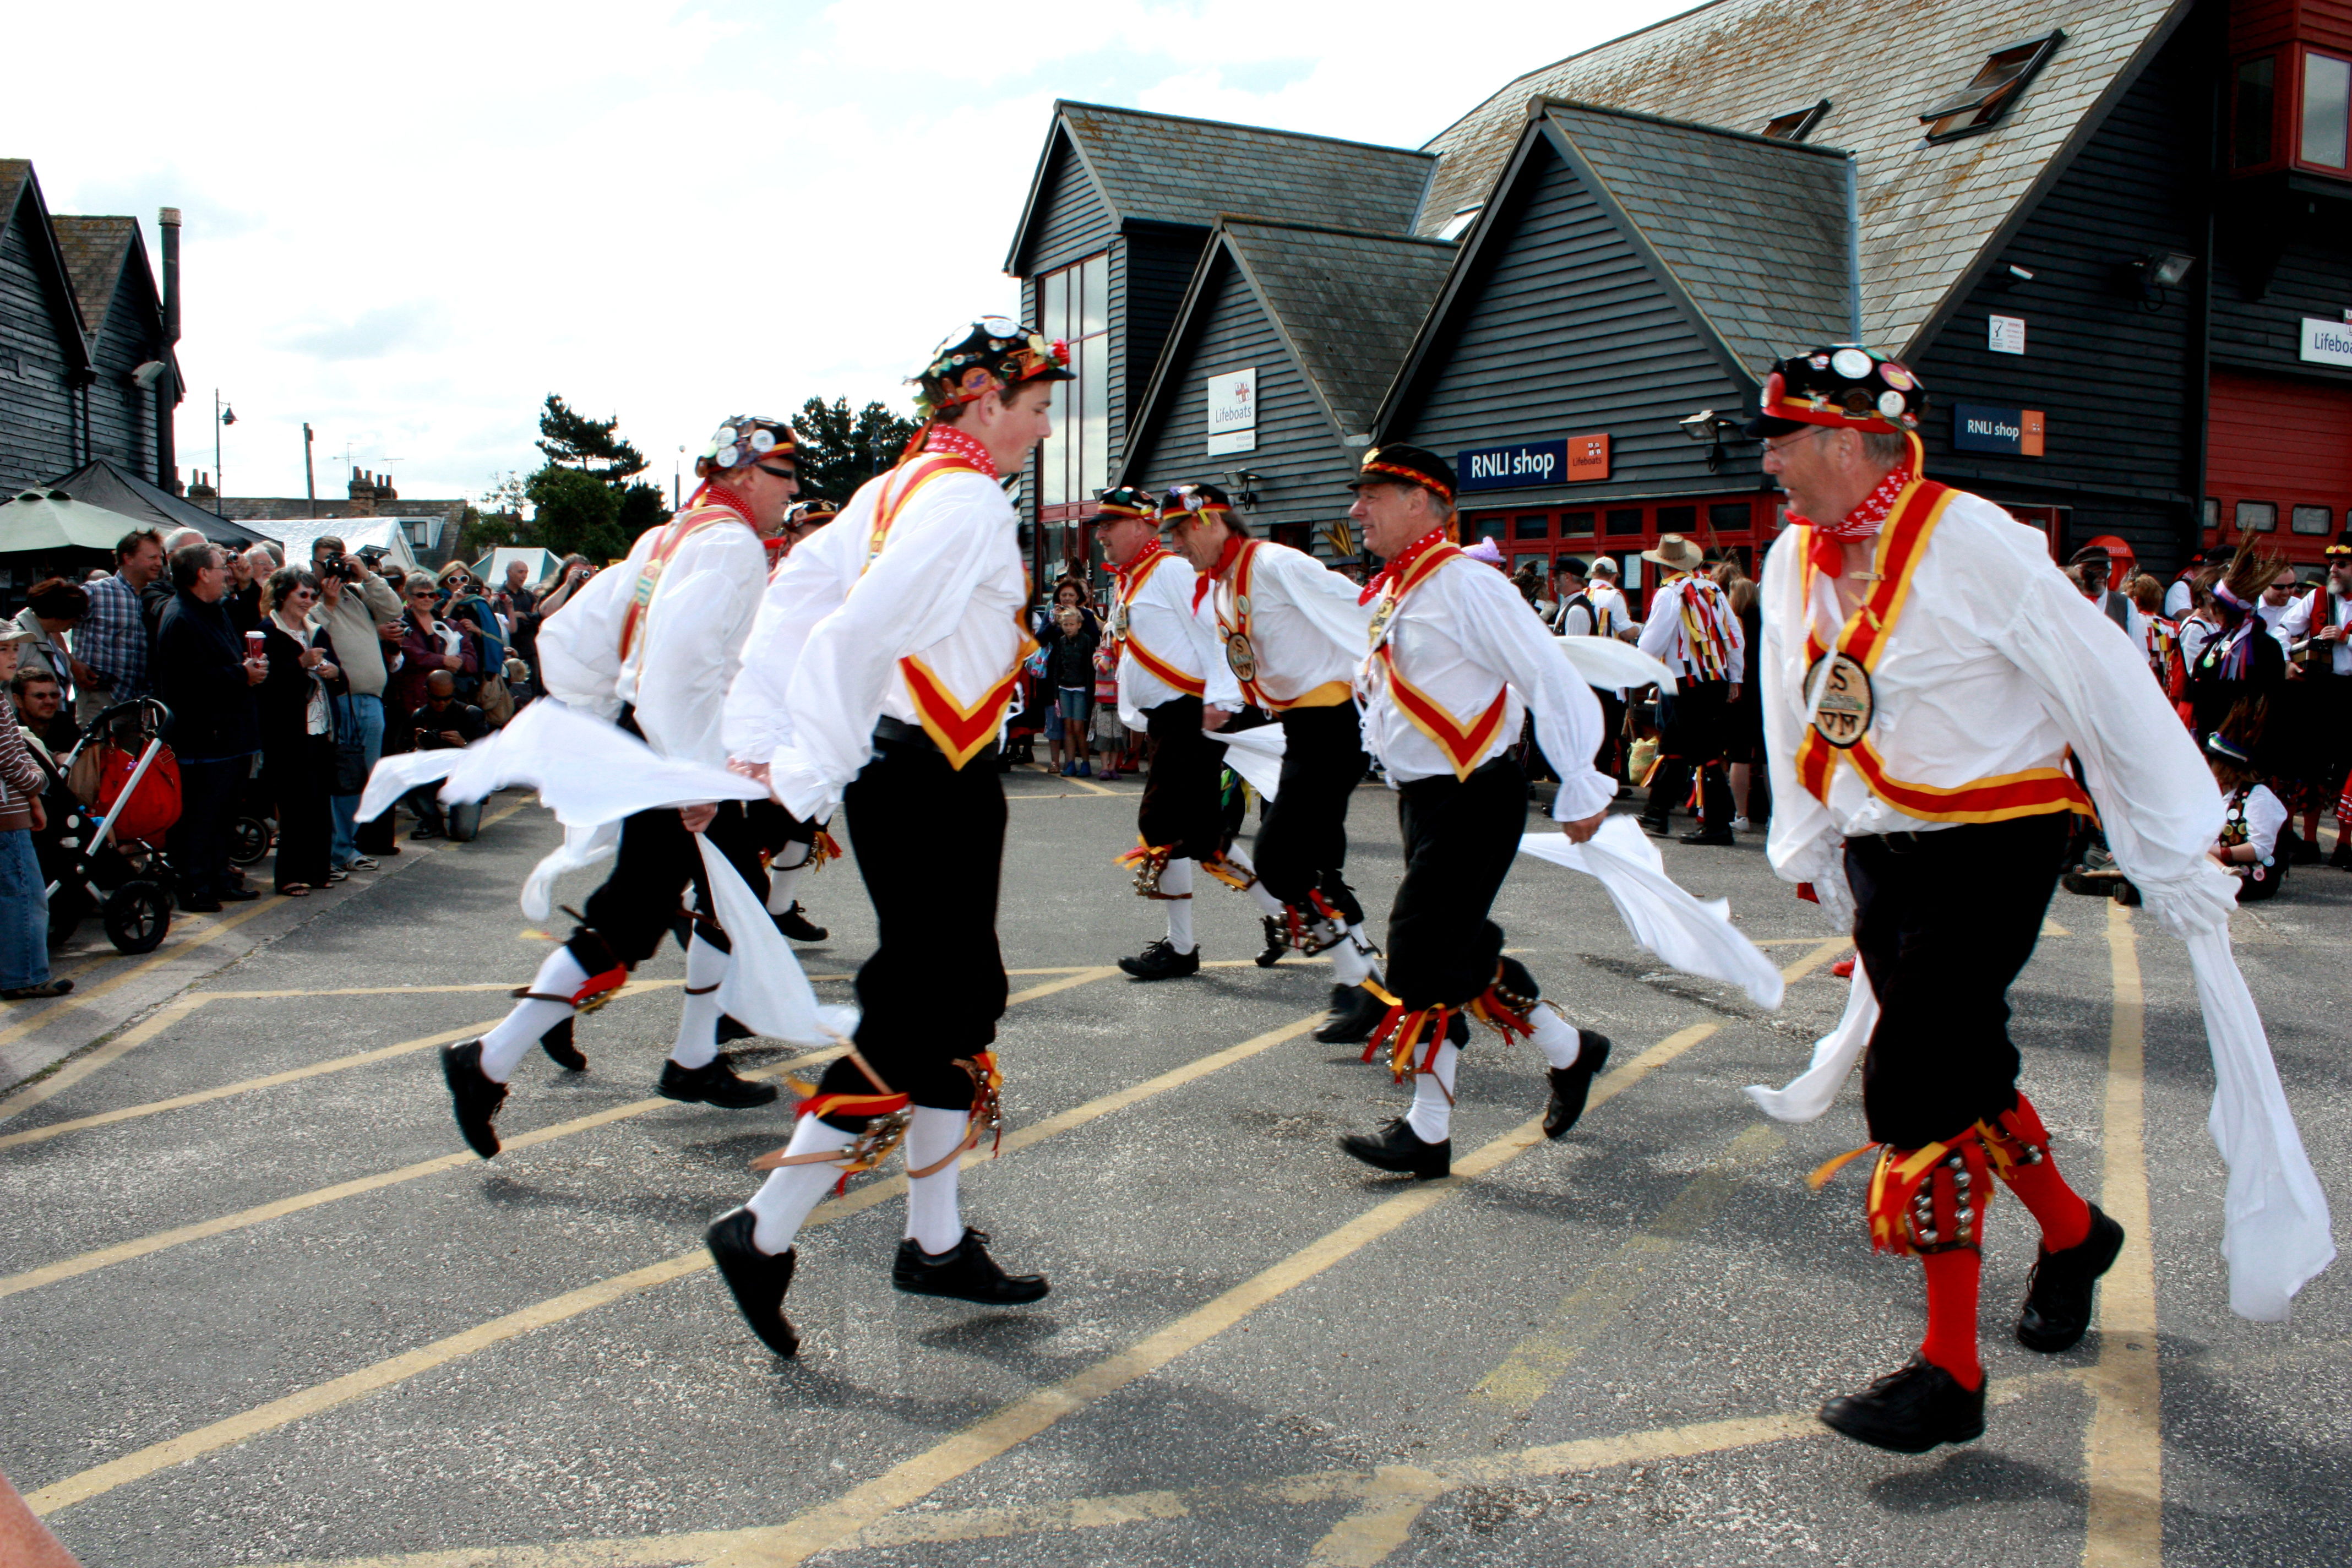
{"x":1676,"y":554}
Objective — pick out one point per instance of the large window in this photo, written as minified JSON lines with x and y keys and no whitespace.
{"x":2257,"y":517}
{"x":2311,"y":520}
{"x":1074,"y":303}
{"x":2327,"y":110}
{"x":2254,"y":111}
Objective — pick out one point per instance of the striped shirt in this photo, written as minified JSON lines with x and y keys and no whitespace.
{"x":112,"y":638}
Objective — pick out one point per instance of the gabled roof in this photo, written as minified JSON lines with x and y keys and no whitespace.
{"x":1753,"y":231}
{"x":13,"y":173}
{"x":1929,"y":214}
{"x":97,"y":250}
{"x":1346,"y":304}
{"x":1164,"y":168}
{"x":20,"y":199}
{"x":101,"y":483}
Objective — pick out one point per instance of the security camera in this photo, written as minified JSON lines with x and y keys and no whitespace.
{"x":147,"y":375}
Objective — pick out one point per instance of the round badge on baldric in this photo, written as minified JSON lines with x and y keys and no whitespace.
{"x":1119,"y":620}
{"x":1842,"y":715}
{"x":1241,"y":657}
{"x":1379,"y":622}
{"x":1241,"y":605}
{"x":1851,"y":363}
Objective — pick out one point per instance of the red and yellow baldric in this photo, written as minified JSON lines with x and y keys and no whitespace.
{"x":1841,"y":698}
{"x":1464,"y":743}
{"x":700,"y":514}
{"x":1131,"y":579}
{"x":961,"y":731}
{"x":1234,"y":606}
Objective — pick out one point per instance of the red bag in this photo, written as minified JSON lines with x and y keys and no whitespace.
{"x":153,"y":807}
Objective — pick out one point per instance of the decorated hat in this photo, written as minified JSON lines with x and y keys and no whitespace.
{"x":744,"y":439}
{"x":993,"y":354}
{"x":2229,"y":748}
{"x":2341,"y":551}
{"x":1193,"y":503}
{"x":1126,"y":501}
{"x":1484,"y":550}
{"x":1844,"y":386}
{"x":1402,"y":465}
{"x":1676,"y":554}
{"x":811,"y":513}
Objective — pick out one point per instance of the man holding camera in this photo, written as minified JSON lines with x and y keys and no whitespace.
{"x":358,"y":612}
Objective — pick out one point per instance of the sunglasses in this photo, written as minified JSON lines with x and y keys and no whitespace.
{"x":775,"y":473}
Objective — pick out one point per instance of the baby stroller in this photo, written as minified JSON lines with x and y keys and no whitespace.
{"x":103,"y":848}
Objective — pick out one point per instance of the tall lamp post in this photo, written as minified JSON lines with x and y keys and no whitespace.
{"x":222,"y":416}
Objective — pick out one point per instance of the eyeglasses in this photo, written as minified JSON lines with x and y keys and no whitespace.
{"x":1782,"y":443}
{"x":775,"y":473}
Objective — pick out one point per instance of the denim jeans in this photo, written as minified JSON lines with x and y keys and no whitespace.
{"x":24,"y":914}
{"x":367,"y":713}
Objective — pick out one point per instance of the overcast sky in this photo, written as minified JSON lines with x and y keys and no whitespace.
{"x":409,"y":224}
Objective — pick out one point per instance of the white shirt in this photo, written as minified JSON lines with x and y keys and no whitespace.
{"x":1463,"y":637}
{"x":2266,"y":815}
{"x":2296,"y":623}
{"x":1305,"y":627}
{"x":1995,"y":665}
{"x":822,"y":664}
{"x":2179,"y":599}
{"x":687,"y":645}
{"x":1665,"y":638}
{"x":1610,"y":600}
{"x":1161,"y":619}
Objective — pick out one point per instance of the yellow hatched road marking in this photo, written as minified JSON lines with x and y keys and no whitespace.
{"x":83,"y":997}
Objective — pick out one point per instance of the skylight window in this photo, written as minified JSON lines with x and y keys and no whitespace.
{"x":1797,"y":124}
{"x":1996,"y":86}
{"x":1460,"y":222}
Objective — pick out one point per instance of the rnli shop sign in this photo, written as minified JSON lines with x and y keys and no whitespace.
{"x":1521,"y":467}
{"x":1233,"y":412}
{"x":1984,"y":427}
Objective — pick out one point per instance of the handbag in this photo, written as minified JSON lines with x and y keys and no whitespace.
{"x":350,"y":753}
{"x":496,"y":703}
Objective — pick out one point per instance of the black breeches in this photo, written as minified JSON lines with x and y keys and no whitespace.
{"x":1180,"y":801}
{"x":1302,"y":845}
{"x":930,"y":845}
{"x":1459,"y":838}
{"x":1944,"y":921}
{"x":657,"y":863}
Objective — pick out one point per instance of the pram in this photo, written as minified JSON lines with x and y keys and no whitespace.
{"x":116,"y":794}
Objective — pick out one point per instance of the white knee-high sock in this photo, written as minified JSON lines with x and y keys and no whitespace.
{"x":697,"y":1020}
{"x":934,"y":1218}
{"x":514,"y":1035}
{"x":1351,"y":960}
{"x":784,"y":879}
{"x":1432,"y":1116}
{"x":785,"y":1199}
{"x":1555,"y":1036}
{"x":1176,"y":880}
{"x":1268,"y":904}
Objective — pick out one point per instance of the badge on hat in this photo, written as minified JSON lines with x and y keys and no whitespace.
{"x":1845,"y":387}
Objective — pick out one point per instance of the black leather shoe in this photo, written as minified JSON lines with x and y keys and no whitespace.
{"x":731,"y":1028}
{"x":758,"y":1281}
{"x":1572,"y":1085}
{"x":964,"y":1271}
{"x":1709,"y":835}
{"x":240,"y":895}
{"x":1160,"y":961}
{"x":473,"y":1096}
{"x":714,"y":1083}
{"x":557,"y":1044}
{"x":1276,"y":943}
{"x":797,"y":925}
{"x":1653,"y":827}
{"x":1355,"y":1014}
{"x":1397,"y":1147}
{"x":2342,"y":858}
{"x":1909,"y":1411}
{"x":2059,"y":1295}
{"x":425,"y":830}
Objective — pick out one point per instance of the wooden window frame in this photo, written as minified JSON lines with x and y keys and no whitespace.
{"x":1800,"y":122}
{"x":2289,"y":135}
{"x":2283,"y":96}
{"x":1990,"y":102}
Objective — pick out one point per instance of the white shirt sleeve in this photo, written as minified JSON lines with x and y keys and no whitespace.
{"x":1202,"y":644}
{"x":1326,"y":599}
{"x":1498,"y":629}
{"x":1665,"y":620}
{"x":1576,"y":621}
{"x":1804,"y":840}
{"x":2179,"y":599}
{"x":694,"y":638}
{"x":579,"y":645}
{"x":2296,"y":622}
{"x":2266,"y":815}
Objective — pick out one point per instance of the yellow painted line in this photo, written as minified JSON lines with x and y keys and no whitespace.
{"x":1380,"y":1524}
{"x":2123,"y":1451}
{"x":1815,"y":959}
{"x":245,"y":1086}
{"x":74,"y":1071}
{"x":82,"y":997}
{"x":2051,"y":927}
{"x":305,"y":1403}
{"x":145,"y":1246}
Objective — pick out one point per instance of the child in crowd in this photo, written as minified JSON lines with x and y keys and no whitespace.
{"x":2247,"y":847}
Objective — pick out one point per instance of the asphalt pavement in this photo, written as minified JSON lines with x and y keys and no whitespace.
{"x":258,"y":1305}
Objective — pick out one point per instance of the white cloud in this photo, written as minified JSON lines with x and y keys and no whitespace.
{"x":408,"y":227}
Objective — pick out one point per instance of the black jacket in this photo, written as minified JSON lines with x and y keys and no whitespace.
{"x":199,"y":672}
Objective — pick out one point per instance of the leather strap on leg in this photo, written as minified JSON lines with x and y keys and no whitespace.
{"x":1149,"y":861}
{"x":1930,"y":1199}
{"x":1239,"y":879}
{"x":1505,"y":1005}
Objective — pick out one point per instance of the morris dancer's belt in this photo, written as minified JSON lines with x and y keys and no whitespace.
{"x":898,"y":733}
{"x":1330,"y":694}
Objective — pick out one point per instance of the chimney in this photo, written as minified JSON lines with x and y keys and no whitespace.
{"x":167,"y":385}
{"x":363,"y":493}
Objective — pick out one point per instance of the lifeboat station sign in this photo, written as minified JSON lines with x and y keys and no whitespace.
{"x":1523,"y":466}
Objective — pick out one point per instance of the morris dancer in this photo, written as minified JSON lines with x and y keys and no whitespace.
{"x":1457,"y":658}
{"x":1171,"y":670}
{"x":1293,"y":636}
{"x":1692,"y":630}
{"x":880,"y":673}
{"x":800,"y":847}
{"x":2319,"y":627}
{"x":654,"y":644}
{"x":1926,"y":671}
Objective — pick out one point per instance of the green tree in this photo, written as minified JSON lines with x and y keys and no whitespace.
{"x":577,"y":512}
{"x":572,"y":440}
{"x":498,"y":521}
{"x":841,"y":450}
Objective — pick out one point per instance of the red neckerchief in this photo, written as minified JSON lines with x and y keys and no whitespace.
{"x":1403,"y":563}
{"x":1207,"y":580}
{"x":948,"y":438}
{"x":717,"y":494}
{"x":1863,"y":522}
{"x":1143,"y":557}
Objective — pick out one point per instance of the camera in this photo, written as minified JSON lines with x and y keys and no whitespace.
{"x":340,"y":568}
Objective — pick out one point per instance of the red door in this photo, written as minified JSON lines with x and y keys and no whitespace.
{"x":2278,"y":463}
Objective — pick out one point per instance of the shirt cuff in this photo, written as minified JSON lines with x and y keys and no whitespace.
{"x":804,"y":792}
{"x":1586,"y":795}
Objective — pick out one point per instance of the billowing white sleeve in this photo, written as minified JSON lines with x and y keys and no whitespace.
{"x":2155,"y":796}
{"x":1326,"y":599}
{"x":1202,"y":643}
{"x":914,"y":595}
{"x":694,"y":639}
{"x":1500,"y":630}
{"x":2296,"y":622}
{"x":756,"y":725}
{"x":1658,"y":630}
{"x":579,"y":646}
{"x":1803,"y":841}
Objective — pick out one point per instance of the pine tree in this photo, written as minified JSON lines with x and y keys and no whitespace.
{"x":840,"y":450}
{"x":572,"y":440}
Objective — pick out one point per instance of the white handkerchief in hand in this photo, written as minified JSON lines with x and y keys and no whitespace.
{"x":765,"y":989}
{"x":1255,"y":754}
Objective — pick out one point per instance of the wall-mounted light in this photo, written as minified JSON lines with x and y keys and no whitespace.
{"x":146,"y":375}
{"x":1242,"y":484}
{"x":2011,"y":274}
{"x":1712,"y":428}
{"x":2155,"y":274}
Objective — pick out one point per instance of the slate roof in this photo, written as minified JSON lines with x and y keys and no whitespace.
{"x":95,"y":249}
{"x":1164,"y":168}
{"x":297,"y":509}
{"x":1753,"y":231}
{"x":1927,"y":212}
{"x":13,"y":173}
{"x":101,"y":483}
{"x":1348,"y":303}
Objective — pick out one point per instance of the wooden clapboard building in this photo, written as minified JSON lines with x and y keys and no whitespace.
{"x":87,"y":369}
{"x":2110,"y":235}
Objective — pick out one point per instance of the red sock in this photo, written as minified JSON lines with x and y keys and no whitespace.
{"x":2065,"y":1217}
{"x":1952,"y":1341}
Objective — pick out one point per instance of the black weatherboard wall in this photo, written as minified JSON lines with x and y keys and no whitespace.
{"x":42,"y":353}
